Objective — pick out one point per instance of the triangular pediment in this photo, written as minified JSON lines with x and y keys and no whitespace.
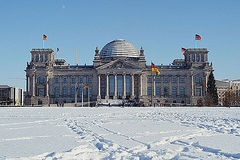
{"x":118,"y":65}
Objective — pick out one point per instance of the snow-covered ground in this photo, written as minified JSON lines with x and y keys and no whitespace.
{"x":120,"y":133}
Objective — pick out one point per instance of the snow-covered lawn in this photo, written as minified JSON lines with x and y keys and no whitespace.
{"x":120,"y":133}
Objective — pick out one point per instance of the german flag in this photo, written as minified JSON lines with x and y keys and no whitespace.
{"x":44,"y":37}
{"x":197,"y":37}
{"x":183,"y":50}
{"x":154,"y":69}
{"x":87,"y":86}
{"x":57,"y":50}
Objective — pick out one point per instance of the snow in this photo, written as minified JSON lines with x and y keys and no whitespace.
{"x":120,"y":133}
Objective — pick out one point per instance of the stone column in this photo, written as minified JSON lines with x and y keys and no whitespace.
{"x":107,"y":87}
{"x":141,"y":87}
{"x":34,"y":84}
{"x":99,"y":86}
{"x":132,"y":80}
{"x":124,"y":85}
{"x":115,"y":90}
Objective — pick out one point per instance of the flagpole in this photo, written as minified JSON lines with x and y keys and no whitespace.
{"x":43,"y":44}
{"x":195,"y":41}
{"x":152,"y":88}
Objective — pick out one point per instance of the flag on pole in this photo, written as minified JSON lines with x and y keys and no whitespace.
{"x":57,"y":50}
{"x":183,"y":50}
{"x":87,"y":86}
{"x":44,"y":37}
{"x":154,"y":69}
{"x":198,"y":37}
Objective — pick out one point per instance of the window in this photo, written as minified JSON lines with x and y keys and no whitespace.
{"x":202,"y":58}
{"x":81,"y":80}
{"x":64,"y":91}
{"x":41,"y":80}
{"x":56,"y":92}
{"x":149,"y":91}
{"x":56,"y":80}
{"x":89,"y":80}
{"x":165,"y":79}
{"x":198,"y":92}
{"x":73,"y":91}
{"x":174,"y":91}
{"x":90,"y":91}
{"x":46,"y":58}
{"x":158,"y":91}
{"x":158,"y":80}
{"x":41,"y":58}
{"x":111,"y":85}
{"x":80,"y":91}
{"x":64,"y":80}
{"x":182,"y":91}
{"x":198,"y":58}
{"x":41,"y":92}
{"x":174,"y":79}
{"x":128,"y":85}
{"x":198,"y":79}
{"x":193,"y":58}
{"x":165,"y":91}
{"x":73,"y":80}
{"x":149,"y":79}
{"x":119,"y":85}
{"x":37,"y":58}
{"x":182,"y":80}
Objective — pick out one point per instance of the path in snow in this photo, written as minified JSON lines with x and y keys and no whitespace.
{"x":120,"y":133}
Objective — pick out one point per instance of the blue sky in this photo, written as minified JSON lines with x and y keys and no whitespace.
{"x":161,"y":27}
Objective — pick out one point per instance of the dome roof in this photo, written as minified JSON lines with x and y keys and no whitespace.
{"x":119,"y":48}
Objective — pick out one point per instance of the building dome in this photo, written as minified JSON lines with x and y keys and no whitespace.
{"x":119,"y":48}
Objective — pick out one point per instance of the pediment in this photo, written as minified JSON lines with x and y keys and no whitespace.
{"x":118,"y":65}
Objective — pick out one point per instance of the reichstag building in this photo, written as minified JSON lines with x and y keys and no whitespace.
{"x":119,"y":73}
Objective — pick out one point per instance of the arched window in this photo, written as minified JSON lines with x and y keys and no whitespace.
{"x":202,"y":58}
{"x":46,"y":58}
{"x":37,"y":58}
{"x":41,"y":58}
{"x":41,"y":80}
{"x":198,"y":58}
{"x":193,"y":58}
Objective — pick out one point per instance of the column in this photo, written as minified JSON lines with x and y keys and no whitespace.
{"x":99,"y":86}
{"x":132,"y":80}
{"x":115,"y":83}
{"x":124,"y":85}
{"x":107,"y":87}
{"x":27,"y":85}
{"x":34,"y":83}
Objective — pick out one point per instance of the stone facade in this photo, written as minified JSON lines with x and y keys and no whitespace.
{"x":118,"y":72}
